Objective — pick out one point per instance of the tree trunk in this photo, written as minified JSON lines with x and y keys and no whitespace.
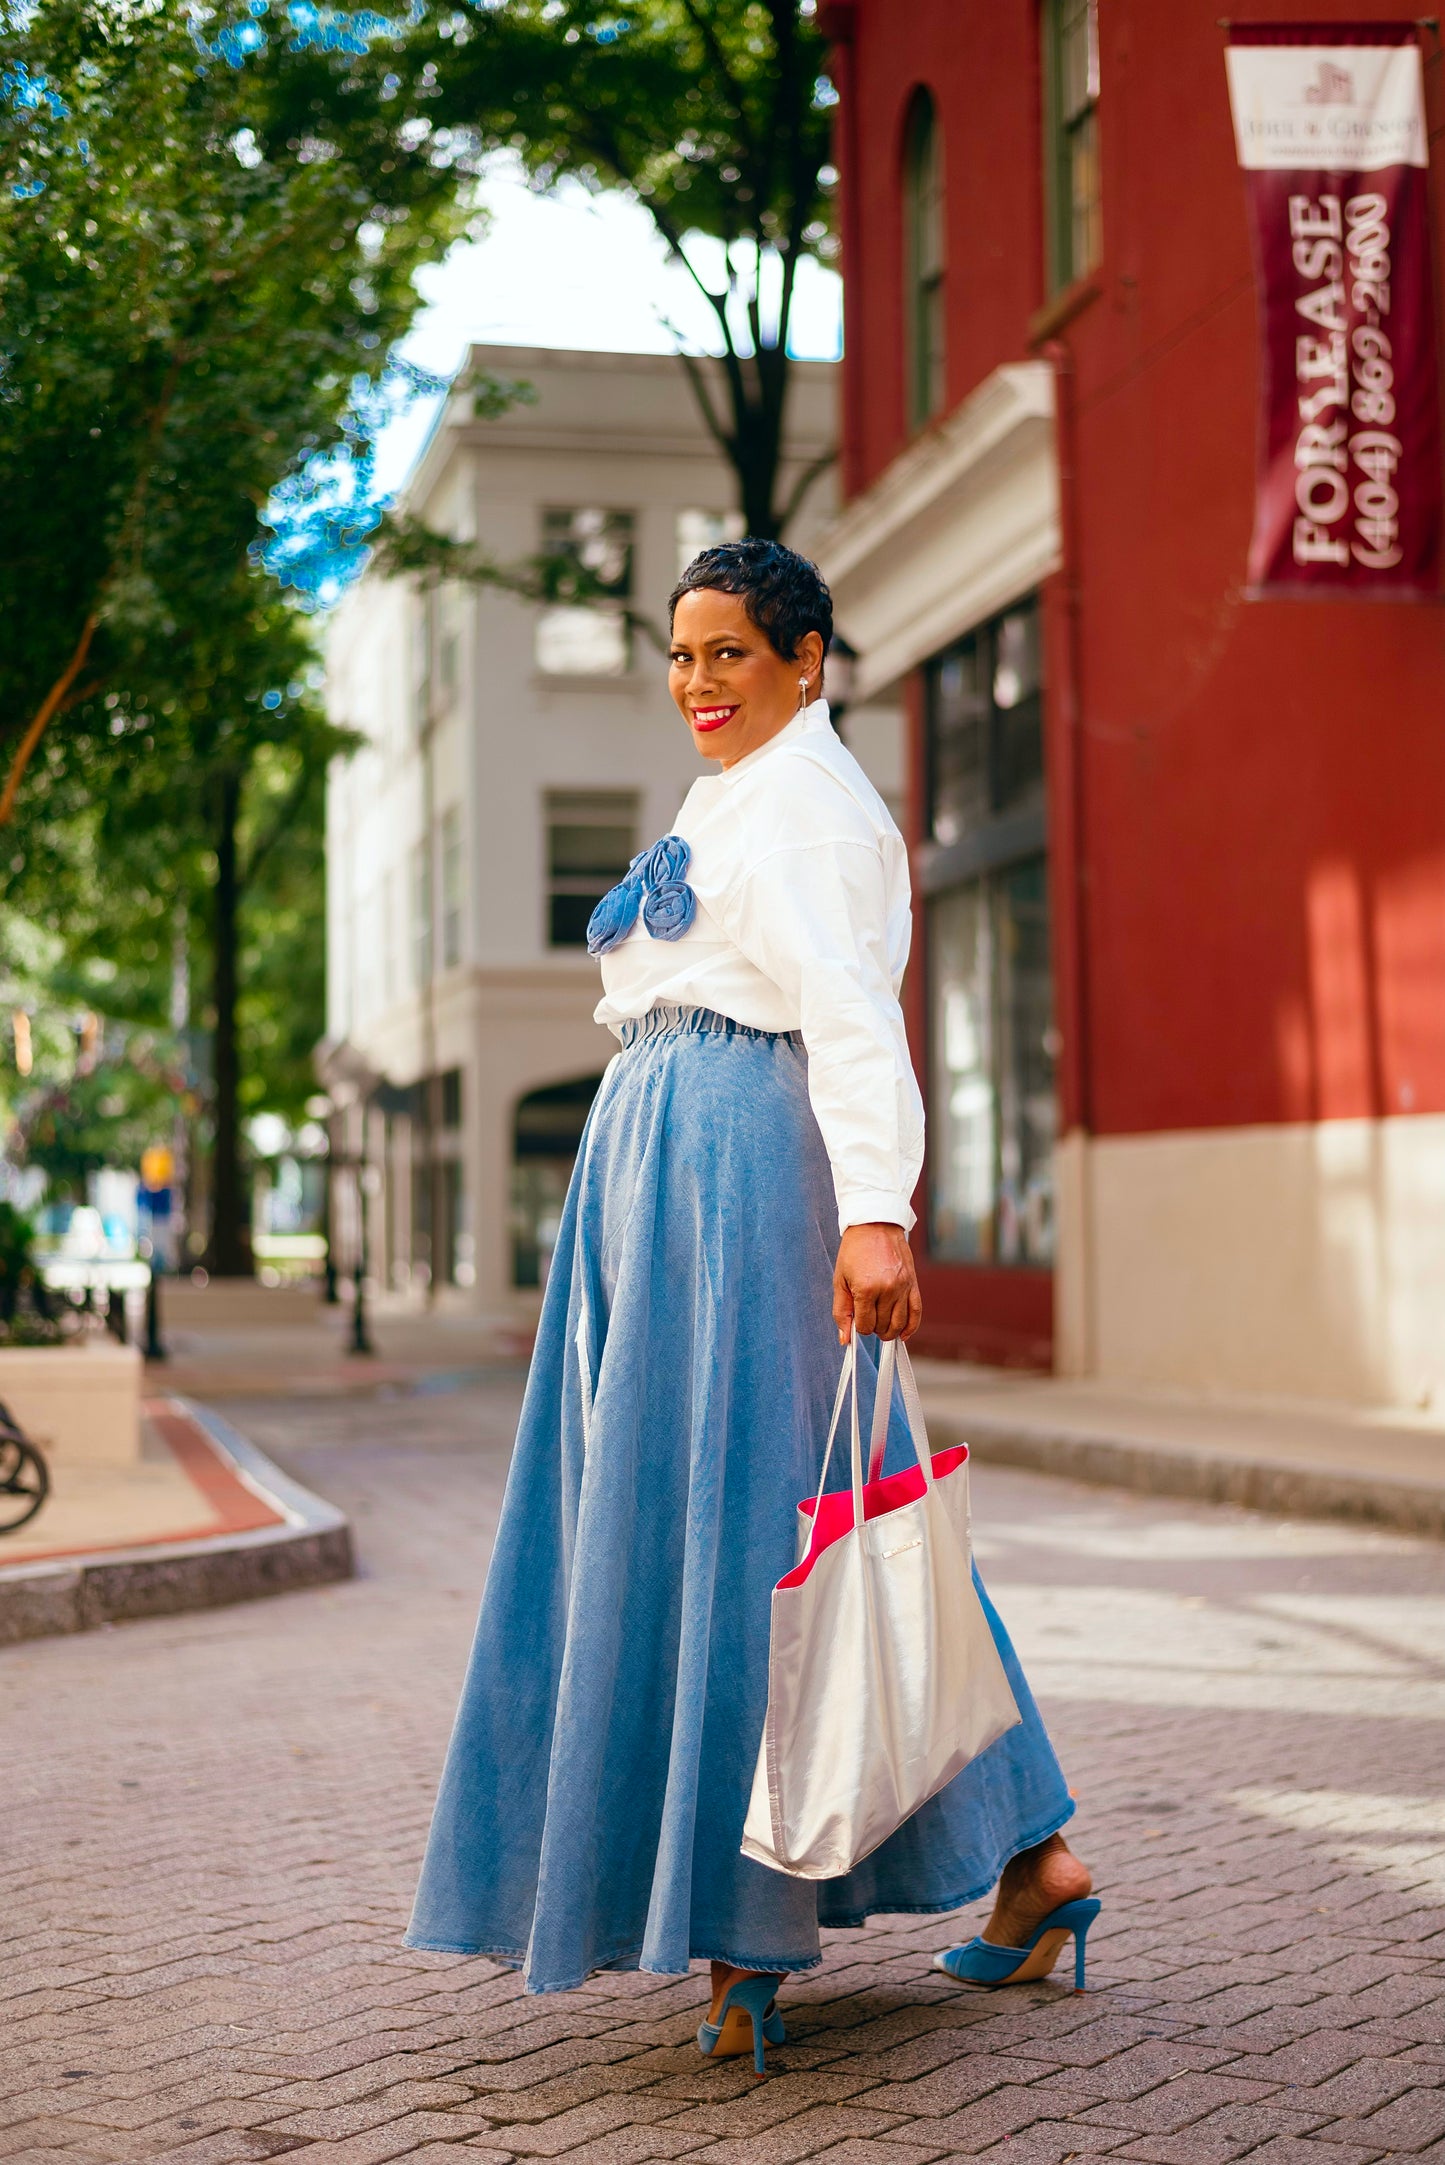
{"x":230,"y":1247}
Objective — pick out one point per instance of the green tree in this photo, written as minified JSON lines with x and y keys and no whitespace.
{"x":212,"y":228}
{"x":200,"y":823}
{"x":715,"y":115}
{"x":206,"y":242}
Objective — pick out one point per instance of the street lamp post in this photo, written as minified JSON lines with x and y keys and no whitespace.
{"x":360,"y":1337}
{"x":155,"y":1349}
{"x":361,"y":1341}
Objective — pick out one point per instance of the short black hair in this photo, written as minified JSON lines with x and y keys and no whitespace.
{"x":784,"y":594}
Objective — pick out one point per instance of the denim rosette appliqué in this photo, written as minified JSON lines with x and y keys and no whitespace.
{"x":655,"y":885}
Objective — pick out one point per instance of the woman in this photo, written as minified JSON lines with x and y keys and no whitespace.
{"x":593,"y":1800}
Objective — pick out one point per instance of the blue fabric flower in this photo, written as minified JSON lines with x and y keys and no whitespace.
{"x":666,"y":861}
{"x":669,"y":909}
{"x":614,"y":916}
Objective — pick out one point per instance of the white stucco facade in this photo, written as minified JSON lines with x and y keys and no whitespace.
{"x":477,"y":766}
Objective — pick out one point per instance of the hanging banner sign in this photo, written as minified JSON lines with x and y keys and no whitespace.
{"x":1329,"y":119}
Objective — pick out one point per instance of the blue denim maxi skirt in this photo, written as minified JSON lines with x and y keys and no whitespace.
{"x":597,"y":1779}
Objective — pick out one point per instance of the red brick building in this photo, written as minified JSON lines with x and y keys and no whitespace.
{"x":1179,"y":855}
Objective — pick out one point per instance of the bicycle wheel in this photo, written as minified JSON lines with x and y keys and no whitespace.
{"x":24,"y":1483}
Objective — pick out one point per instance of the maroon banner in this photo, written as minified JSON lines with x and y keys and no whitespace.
{"x":1329,"y":120}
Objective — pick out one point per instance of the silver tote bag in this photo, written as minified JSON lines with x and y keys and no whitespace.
{"x":883,"y":1677}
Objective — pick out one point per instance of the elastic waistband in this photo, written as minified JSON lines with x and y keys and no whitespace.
{"x":689,"y":1021}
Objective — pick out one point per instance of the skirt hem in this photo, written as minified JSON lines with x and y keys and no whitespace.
{"x":515,"y":1958}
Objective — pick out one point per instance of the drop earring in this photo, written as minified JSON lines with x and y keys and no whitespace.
{"x":802,"y":692}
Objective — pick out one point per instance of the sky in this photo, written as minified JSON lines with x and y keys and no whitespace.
{"x":570,"y":270}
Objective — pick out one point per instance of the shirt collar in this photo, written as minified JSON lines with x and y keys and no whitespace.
{"x":806,"y":723}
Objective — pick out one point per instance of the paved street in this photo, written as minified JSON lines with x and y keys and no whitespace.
{"x":213,"y":1824}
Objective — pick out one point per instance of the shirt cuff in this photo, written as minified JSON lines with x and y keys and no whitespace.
{"x":874,"y":1206}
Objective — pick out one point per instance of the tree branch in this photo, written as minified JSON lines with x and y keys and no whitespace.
{"x":703,"y":26}
{"x":814,"y":469}
{"x":700,"y":391}
{"x":49,"y":706}
{"x":286,"y":815}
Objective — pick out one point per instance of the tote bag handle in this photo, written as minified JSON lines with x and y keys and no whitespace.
{"x":848,"y":1376}
{"x":894,"y":1356}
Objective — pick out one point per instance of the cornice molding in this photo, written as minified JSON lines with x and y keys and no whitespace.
{"x":959,"y":525}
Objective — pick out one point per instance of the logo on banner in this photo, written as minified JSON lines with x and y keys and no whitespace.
{"x":1333,"y":146}
{"x":1333,"y":86}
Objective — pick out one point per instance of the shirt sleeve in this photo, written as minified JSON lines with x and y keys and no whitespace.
{"x":814,"y":918}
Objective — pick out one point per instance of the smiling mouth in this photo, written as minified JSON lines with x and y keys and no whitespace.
{"x":712,"y":717}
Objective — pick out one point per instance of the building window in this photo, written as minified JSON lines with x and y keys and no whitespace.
{"x":1071,"y":139}
{"x":589,"y":557}
{"x":451,"y":1096}
{"x":450,"y":607}
{"x":452,"y":881}
{"x":923,"y":260}
{"x":421,"y":913}
{"x":699,"y":530}
{"x":546,"y":1132}
{"x":992,"y":1040}
{"x":591,"y":841}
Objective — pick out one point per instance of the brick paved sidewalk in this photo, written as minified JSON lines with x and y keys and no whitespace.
{"x":213,"y":1825}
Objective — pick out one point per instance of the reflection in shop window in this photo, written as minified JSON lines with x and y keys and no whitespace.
{"x":986,"y":726}
{"x":992,"y":1040}
{"x":993,"y":1106}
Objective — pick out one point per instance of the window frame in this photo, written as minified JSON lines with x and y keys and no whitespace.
{"x":619,"y":809}
{"x":1070,"y":256}
{"x":925,"y":261}
{"x":1003,"y":839}
{"x":613,"y":599}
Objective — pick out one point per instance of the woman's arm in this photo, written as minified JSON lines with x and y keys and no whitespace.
{"x":813,"y":916}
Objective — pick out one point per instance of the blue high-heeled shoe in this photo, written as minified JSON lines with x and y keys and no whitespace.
{"x":980,"y":1962}
{"x":757,"y":1998}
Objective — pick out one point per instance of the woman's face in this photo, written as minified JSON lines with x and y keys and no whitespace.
{"x":732,"y":689}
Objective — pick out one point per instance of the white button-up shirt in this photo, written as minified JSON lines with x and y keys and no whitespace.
{"x":803,"y":923}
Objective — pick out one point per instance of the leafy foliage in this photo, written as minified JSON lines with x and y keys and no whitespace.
{"x":716,"y":115}
{"x":214,"y":217}
{"x":199,"y":260}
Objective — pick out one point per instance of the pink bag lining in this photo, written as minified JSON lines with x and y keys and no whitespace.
{"x":879,"y":1497}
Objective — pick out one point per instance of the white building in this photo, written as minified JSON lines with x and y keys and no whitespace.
{"x":515,"y":758}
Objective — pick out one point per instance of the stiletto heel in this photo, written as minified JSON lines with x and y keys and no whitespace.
{"x":1081,"y":1933}
{"x":757,"y":1998}
{"x":980,"y":1962}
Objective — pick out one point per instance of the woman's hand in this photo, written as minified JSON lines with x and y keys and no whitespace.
{"x":875,"y":1284}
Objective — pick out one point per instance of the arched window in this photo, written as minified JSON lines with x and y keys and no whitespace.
{"x":923,"y":260}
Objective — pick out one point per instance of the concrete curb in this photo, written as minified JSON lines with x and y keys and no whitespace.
{"x":1258,"y":1484}
{"x":164,"y":1578}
